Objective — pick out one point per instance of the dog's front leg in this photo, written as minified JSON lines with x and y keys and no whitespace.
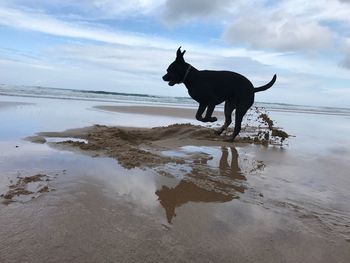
{"x":208,"y":117}
{"x":200,"y":111}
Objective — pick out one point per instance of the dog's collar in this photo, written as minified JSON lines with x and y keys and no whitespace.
{"x":187,"y":71}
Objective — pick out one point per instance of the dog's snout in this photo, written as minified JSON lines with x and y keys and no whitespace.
{"x":166,"y":77}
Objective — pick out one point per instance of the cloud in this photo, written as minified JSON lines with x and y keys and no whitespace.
{"x":345,"y":62}
{"x":120,"y":58}
{"x":127,"y":7}
{"x":176,"y":11}
{"x":28,"y":19}
{"x":320,"y":10}
{"x":92,"y":9}
{"x":40,"y":22}
{"x":277,"y":31}
{"x":151,"y":62}
{"x":279,"y":26}
{"x":116,"y":67}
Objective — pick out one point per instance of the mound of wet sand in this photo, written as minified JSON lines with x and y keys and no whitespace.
{"x":134,"y":147}
{"x":142,"y":147}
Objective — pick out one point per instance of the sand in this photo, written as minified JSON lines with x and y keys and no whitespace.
{"x":175,"y":193}
{"x":155,"y":110}
{"x":7,"y":104}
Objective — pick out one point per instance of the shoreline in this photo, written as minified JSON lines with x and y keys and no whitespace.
{"x":190,"y":111}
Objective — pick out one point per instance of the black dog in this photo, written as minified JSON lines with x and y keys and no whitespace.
{"x":210,"y":88}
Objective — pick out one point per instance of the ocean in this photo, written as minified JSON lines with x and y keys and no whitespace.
{"x":104,"y":96}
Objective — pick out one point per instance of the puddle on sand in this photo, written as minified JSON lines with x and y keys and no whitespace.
{"x":208,"y":175}
{"x":212,"y":175}
{"x":110,"y":208}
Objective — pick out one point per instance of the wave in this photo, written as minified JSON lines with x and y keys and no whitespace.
{"x":112,"y":93}
{"x":109,"y":96}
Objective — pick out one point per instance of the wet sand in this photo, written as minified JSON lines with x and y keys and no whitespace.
{"x":7,"y":104}
{"x":155,"y":110}
{"x":175,"y":193}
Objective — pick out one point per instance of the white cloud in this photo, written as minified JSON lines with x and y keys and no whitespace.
{"x":39,"y":22}
{"x":320,"y":10}
{"x":92,"y":9}
{"x":346,"y":60}
{"x":127,"y":7}
{"x":46,"y":24}
{"x":177,"y":11}
{"x":289,"y":25}
{"x":133,"y":60}
{"x":119,"y":68}
{"x":282,"y":26}
{"x":277,"y":32}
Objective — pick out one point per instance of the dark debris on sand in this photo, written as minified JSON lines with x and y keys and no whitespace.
{"x":20,"y":187}
{"x":273,"y":132}
{"x":265,"y":133}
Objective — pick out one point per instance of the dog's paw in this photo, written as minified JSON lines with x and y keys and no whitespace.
{"x":200,"y":118}
{"x":209,"y":119}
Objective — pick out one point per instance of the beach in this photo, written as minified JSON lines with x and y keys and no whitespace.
{"x":130,"y":181}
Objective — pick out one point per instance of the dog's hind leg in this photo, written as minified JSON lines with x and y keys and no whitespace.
{"x":229,"y":107}
{"x":240,"y":112}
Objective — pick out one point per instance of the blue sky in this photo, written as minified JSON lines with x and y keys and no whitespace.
{"x":126,"y":45}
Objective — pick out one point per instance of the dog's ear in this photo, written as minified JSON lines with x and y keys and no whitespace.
{"x":180,"y":55}
{"x":178,"y":52}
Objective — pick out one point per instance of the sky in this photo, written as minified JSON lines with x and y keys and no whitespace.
{"x":127,"y":45}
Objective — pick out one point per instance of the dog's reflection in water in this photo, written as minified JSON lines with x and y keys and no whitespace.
{"x":223,"y":185}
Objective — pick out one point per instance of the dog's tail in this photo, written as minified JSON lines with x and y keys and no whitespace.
{"x":267,"y":86}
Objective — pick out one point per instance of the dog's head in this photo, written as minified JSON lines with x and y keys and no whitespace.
{"x":176,"y":70}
